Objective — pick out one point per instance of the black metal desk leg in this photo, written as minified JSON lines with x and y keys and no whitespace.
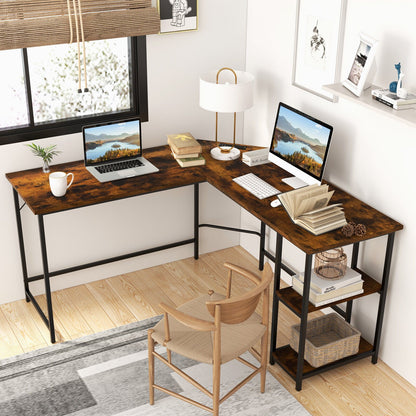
{"x":354,"y":261}
{"x":21,"y":243}
{"x":46,"y":278}
{"x":196,"y":221}
{"x":262,"y":242}
{"x":276,"y":287}
{"x":383,"y":295}
{"x":303,"y":321}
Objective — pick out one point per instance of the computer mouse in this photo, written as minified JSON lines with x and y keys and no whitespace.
{"x":275,"y":203}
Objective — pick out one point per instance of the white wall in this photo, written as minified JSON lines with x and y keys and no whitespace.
{"x":175,"y":62}
{"x":372,"y":156}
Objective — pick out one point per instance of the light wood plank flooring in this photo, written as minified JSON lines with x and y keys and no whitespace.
{"x":360,"y":388}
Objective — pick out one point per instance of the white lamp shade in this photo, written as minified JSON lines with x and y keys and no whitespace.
{"x":226,"y":96}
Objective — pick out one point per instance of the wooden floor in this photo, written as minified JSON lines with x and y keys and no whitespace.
{"x":360,"y":388}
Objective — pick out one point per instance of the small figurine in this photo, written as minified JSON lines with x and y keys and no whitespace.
{"x":393,"y":85}
{"x":400,"y":91}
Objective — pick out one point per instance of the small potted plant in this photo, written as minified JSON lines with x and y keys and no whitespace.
{"x":45,"y":153}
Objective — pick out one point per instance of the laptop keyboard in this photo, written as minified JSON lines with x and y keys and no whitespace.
{"x":127,"y":164}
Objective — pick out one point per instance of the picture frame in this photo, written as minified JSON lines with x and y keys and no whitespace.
{"x":362,"y":65}
{"x":319,"y":37}
{"x":178,"y":15}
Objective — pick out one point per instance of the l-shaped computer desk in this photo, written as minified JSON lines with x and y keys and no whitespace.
{"x":32,"y":187}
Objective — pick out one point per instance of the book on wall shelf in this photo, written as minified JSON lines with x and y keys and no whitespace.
{"x":320,"y":299}
{"x":322,"y":285}
{"x":308,"y":207}
{"x":392,"y":100}
{"x":185,"y":149}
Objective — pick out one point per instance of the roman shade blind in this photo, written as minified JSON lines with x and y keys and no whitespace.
{"x":29,"y":23}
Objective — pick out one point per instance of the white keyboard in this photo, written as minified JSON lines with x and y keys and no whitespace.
{"x":258,"y":187}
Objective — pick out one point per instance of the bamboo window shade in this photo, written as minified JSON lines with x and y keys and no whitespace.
{"x":29,"y":23}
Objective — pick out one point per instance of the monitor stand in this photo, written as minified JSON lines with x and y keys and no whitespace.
{"x":295,"y":182}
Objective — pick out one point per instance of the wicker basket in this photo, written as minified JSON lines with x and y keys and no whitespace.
{"x":328,"y":338}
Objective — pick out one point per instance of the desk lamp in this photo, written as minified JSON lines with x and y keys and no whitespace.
{"x":232,"y":95}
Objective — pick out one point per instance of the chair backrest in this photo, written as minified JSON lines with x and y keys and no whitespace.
{"x":239,"y":308}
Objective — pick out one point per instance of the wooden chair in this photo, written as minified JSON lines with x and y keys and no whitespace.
{"x":214,"y":329}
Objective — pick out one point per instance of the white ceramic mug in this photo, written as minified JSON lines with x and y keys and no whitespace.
{"x":58,"y":181}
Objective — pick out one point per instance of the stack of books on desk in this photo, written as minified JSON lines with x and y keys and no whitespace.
{"x":185,"y":149}
{"x":392,"y":100}
{"x":323,"y":291}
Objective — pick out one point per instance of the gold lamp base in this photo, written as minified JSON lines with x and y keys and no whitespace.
{"x":229,"y":153}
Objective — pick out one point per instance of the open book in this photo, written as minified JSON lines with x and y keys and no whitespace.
{"x":308,"y":207}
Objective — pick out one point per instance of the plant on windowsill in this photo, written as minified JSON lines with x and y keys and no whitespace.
{"x":45,"y":153}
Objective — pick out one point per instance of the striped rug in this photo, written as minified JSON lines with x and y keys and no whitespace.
{"x":106,"y":375}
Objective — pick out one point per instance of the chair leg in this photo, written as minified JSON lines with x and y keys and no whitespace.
{"x":151,"y":347}
{"x":263,"y":362}
{"x":216,"y":373}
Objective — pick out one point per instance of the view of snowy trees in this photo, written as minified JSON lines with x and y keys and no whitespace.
{"x":54,"y":82}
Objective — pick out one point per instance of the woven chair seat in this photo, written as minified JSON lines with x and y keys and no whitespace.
{"x":198,"y":345}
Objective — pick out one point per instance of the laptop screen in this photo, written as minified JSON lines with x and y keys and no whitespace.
{"x":116,"y":140}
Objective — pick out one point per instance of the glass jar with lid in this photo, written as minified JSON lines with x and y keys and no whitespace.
{"x":331,"y":264}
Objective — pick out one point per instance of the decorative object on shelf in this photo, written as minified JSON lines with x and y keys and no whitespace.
{"x":45,"y":153}
{"x":178,"y":15}
{"x":393,"y":84}
{"x":352,"y":228}
{"x":328,"y":338}
{"x":400,"y":91}
{"x":359,"y":76}
{"x":318,"y":45}
{"x":331,"y":264}
{"x":232,"y":95}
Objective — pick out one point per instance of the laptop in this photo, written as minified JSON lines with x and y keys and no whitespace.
{"x":113,"y":150}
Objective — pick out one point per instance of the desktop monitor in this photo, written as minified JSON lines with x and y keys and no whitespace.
{"x":300,"y":146}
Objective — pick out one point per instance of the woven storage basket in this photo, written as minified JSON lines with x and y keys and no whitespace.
{"x":328,"y":338}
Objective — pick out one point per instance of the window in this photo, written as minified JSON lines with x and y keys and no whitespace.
{"x":40,"y":95}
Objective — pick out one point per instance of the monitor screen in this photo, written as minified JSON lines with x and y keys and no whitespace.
{"x":300,"y":144}
{"x":112,"y":141}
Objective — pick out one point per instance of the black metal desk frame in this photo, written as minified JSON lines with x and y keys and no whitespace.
{"x":48,"y":318}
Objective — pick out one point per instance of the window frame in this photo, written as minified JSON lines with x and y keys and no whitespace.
{"x":139,"y":103}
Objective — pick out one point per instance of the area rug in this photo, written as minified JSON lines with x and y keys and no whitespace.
{"x":106,"y":375}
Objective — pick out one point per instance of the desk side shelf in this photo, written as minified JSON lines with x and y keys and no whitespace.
{"x":408,"y":116}
{"x":293,"y":300}
{"x":287,"y":358}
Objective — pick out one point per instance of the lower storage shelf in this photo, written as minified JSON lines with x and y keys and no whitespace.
{"x":287,"y":358}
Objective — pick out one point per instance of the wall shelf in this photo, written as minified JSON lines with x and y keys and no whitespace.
{"x":408,"y":116}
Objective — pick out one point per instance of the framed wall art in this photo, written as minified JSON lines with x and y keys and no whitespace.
{"x":361,"y":65}
{"x":318,"y":45}
{"x":178,"y":15}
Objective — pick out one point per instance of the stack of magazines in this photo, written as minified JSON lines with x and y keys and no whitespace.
{"x":324,"y":291}
{"x":392,"y":100}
